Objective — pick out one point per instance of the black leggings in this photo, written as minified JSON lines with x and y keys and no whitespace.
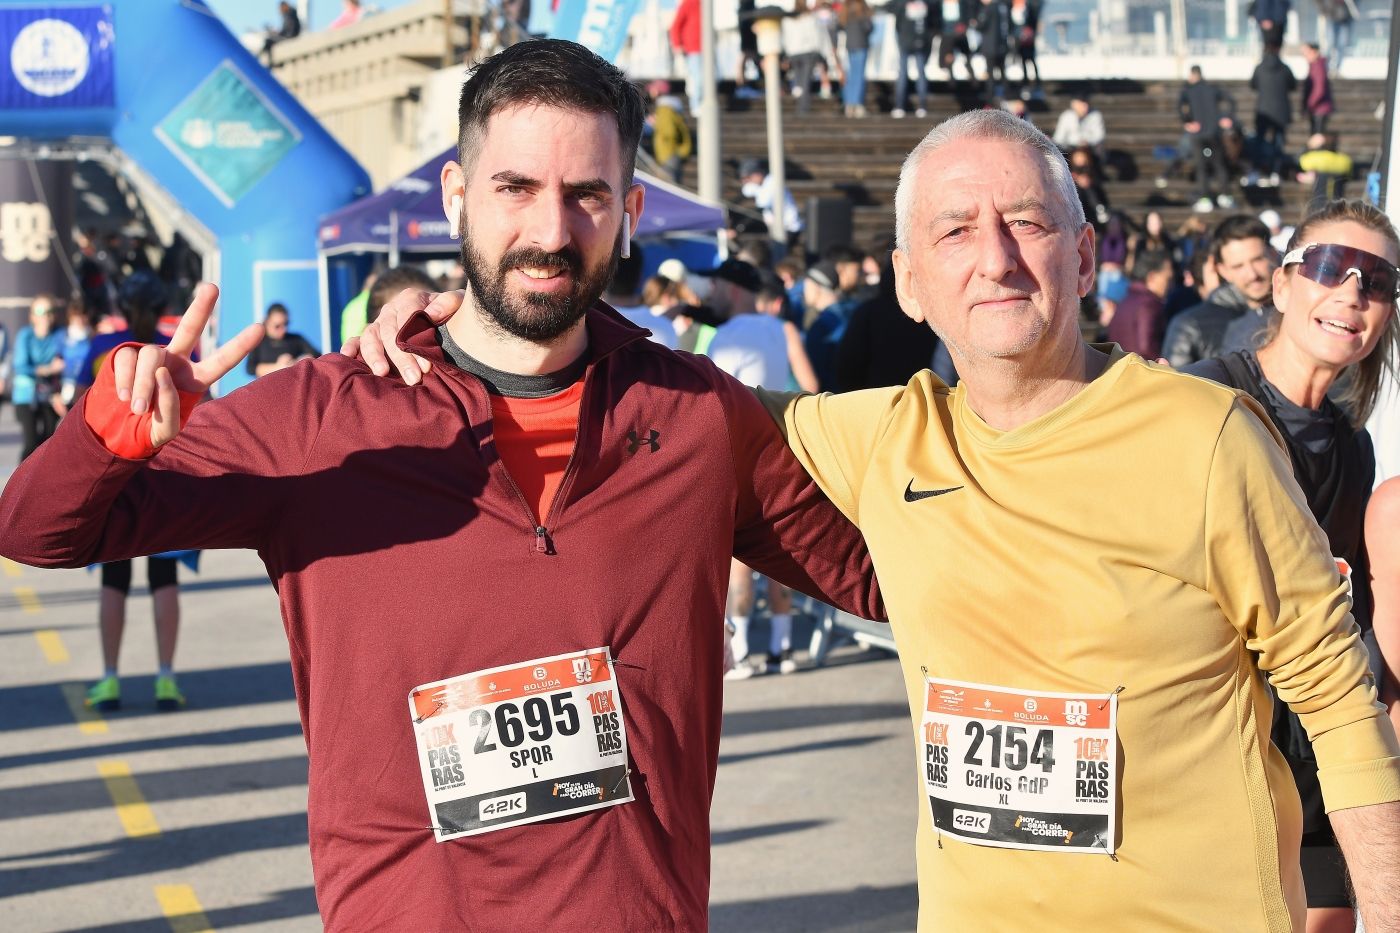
{"x":160,"y":573}
{"x":37,"y":422}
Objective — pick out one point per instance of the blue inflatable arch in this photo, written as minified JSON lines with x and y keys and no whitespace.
{"x":163,"y":91}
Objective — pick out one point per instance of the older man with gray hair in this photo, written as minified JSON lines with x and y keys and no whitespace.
{"x":1091,"y":565}
{"x":1094,"y":568}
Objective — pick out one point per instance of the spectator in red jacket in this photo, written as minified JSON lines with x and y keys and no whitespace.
{"x":1317,"y":89}
{"x":685,"y":39}
{"x":1139,"y":323}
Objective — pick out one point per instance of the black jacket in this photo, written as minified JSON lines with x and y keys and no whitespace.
{"x":882,"y":346}
{"x":1197,"y":333}
{"x":915,"y":32}
{"x":1204,"y":103}
{"x":967,"y":16}
{"x":993,"y":22}
{"x":1273,"y":83}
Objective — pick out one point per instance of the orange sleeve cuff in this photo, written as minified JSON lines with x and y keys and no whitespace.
{"x":122,"y":432}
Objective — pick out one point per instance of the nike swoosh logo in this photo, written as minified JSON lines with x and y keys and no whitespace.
{"x":910,"y":495}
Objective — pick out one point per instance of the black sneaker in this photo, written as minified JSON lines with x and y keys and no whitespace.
{"x":781,"y":663}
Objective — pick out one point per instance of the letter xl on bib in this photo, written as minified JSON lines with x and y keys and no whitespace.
{"x":521,"y":743}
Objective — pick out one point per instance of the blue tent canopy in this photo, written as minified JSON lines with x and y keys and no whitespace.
{"x":407,"y":217}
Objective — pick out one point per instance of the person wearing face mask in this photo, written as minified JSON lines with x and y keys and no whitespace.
{"x":1335,"y":292}
{"x":757,"y":185}
{"x":38,"y":369}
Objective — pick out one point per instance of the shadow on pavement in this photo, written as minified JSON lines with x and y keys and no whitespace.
{"x":296,"y":902}
{"x":173,"y":784}
{"x":892,"y":909}
{"x":745,"y":833}
{"x":174,"y":849}
{"x":9,"y":632}
{"x":38,"y":706}
{"x":747,"y":722}
{"x":77,"y":597}
{"x":824,"y":745}
{"x":238,"y":736}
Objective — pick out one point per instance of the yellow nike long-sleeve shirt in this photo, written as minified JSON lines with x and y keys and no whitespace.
{"x":1146,"y":535}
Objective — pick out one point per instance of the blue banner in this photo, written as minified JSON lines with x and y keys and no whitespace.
{"x":56,"y":57}
{"x":228,"y":133}
{"x":601,"y":25}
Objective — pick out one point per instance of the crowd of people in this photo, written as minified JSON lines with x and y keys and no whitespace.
{"x":827,"y":43}
{"x":1032,"y":512}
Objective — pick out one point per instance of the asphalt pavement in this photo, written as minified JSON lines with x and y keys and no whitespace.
{"x":144,"y":822}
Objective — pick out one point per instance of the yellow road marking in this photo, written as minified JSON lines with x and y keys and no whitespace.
{"x":182,"y":909}
{"x":90,"y":722}
{"x":28,"y":599}
{"x":11,"y":568}
{"x":51,"y":643}
{"x":136,"y":816}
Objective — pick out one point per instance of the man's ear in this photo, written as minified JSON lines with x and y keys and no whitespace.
{"x":904,"y":287}
{"x":632,"y":203}
{"x":454,"y":193}
{"x":1085,"y":246}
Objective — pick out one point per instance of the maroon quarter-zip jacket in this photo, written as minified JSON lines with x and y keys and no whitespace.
{"x":403,"y":554}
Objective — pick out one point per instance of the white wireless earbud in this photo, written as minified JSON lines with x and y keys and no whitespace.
{"x":626,"y":235}
{"x":454,"y":218}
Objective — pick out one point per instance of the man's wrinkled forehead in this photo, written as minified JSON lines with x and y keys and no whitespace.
{"x":958,"y":182}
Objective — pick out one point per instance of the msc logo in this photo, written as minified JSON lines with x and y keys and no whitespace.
{"x":636,"y":442}
{"x":583,"y":671}
{"x":26,"y":230}
{"x":972,"y":821}
{"x":497,"y":807}
{"x":1076,"y":712}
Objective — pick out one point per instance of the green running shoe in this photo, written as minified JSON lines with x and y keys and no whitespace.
{"x":105,"y":695}
{"x":168,"y":695}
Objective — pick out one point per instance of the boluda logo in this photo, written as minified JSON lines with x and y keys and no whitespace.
{"x":497,"y":807}
{"x":972,"y":821}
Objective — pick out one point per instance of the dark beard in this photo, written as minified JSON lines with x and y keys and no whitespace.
{"x":535,"y":317}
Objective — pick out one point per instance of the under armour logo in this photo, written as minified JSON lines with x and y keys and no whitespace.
{"x":635,"y":441}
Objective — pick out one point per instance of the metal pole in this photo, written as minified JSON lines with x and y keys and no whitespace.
{"x":707,"y":158}
{"x":1179,"y":37}
{"x":449,"y":53}
{"x":1390,"y":138}
{"x":777,"y":175}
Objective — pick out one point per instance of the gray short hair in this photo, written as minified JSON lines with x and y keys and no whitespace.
{"x":985,"y":124}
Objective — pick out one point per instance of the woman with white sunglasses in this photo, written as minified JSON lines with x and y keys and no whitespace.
{"x":1317,"y":371}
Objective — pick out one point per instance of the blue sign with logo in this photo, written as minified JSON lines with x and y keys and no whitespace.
{"x":601,"y":25}
{"x":56,"y":56}
{"x":228,"y":134}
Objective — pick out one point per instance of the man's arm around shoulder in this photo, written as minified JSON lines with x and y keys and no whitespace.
{"x":785,"y":527}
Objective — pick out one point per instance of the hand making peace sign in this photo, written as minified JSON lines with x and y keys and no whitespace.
{"x":167,"y":372}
